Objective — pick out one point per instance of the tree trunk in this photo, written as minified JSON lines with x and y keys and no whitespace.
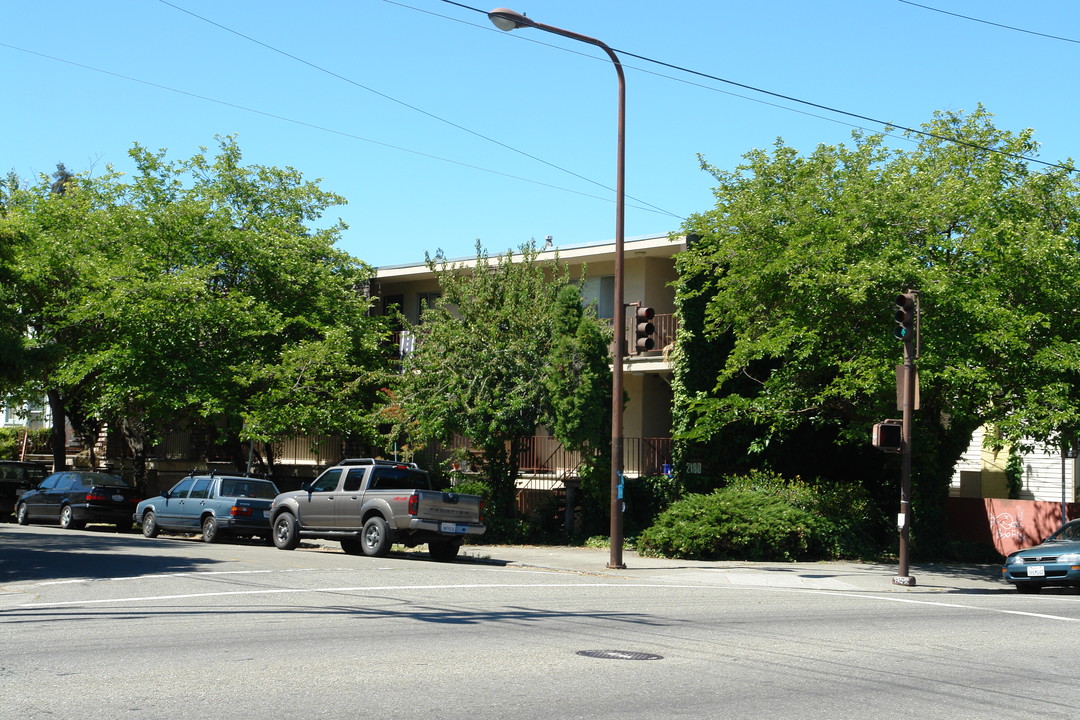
{"x":135,"y":434}
{"x":58,"y":434}
{"x":497,"y":466}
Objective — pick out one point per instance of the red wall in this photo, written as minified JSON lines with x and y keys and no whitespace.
{"x":1008,"y":525}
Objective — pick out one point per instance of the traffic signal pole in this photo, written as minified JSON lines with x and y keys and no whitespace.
{"x":907,"y":318}
{"x":903,"y":576}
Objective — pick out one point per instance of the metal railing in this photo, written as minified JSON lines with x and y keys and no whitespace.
{"x":544,"y":455}
{"x":667,"y":327}
{"x":296,"y":449}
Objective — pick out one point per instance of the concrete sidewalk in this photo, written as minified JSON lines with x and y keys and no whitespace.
{"x":837,"y":576}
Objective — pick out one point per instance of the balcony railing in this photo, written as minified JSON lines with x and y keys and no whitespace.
{"x":402,"y":342}
{"x":295,"y":449}
{"x":667,"y":326}
{"x":545,"y":456}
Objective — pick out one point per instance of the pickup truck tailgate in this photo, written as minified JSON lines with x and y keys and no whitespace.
{"x":448,"y":507}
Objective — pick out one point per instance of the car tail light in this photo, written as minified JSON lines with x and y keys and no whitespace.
{"x":481,"y":512}
{"x":240,"y":511}
{"x":95,"y":496}
{"x":414,"y":504}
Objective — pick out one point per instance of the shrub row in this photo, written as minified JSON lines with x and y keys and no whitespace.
{"x":764,"y":517}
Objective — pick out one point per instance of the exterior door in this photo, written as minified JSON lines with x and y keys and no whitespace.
{"x":37,"y":503}
{"x":192,"y":506}
{"x":317,"y":507}
{"x":170,"y":510}
{"x":348,"y":502}
{"x":54,"y":496}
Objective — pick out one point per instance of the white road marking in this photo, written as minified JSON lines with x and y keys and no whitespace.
{"x":480,"y":586}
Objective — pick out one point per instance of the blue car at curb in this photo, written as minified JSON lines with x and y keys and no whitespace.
{"x":1053,"y":562}
{"x":218,"y":506}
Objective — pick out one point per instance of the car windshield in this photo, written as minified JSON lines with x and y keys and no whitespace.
{"x":249,"y":488}
{"x":1069,"y":533}
{"x":103,"y":480}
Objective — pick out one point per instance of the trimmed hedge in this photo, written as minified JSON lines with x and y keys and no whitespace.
{"x":735,"y":524}
{"x":765,"y":517}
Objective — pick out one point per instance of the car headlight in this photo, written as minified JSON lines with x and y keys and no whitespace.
{"x":1069,"y":559}
{"x":1014,"y":560}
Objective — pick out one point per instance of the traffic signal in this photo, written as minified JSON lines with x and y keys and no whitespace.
{"x":907,"y":318}
{"x":644,"y":329}
{"x":888,"y":435}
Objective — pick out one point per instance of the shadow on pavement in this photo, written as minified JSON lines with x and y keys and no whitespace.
{"x":85,"y":555}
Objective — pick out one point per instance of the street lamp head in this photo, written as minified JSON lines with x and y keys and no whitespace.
{"x":506,"y":19}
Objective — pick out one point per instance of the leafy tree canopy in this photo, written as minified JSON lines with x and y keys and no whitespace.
{"x":799,"y":262}
{"x":197,"y":288}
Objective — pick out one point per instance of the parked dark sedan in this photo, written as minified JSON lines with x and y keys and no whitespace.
{"x":75,"y":498}
{"x":216,"y":506}
{"x":1055,"y":561}
{"x":16,"y":477}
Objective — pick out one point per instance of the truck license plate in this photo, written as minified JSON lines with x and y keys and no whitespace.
{"x":449,"y":528}
{"x":1036,"y":571}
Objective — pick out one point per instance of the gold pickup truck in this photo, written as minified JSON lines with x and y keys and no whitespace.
{"x":369,"y":505}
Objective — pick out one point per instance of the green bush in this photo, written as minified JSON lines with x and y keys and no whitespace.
{"x":857,"y":528}
{"x":763,"y":516}
{"x":735,"y":524}
{"x":11,"y":439}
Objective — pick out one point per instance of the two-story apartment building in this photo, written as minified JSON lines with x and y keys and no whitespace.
{"x":648,"y":271}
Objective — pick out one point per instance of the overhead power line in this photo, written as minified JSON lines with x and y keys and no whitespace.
{"x":414,"y":108}
{"x":988,"y":22}
{"x":311,"y":125}
{"x":808,"y":103}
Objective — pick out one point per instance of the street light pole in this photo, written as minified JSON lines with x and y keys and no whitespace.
{"x":505,"y":19}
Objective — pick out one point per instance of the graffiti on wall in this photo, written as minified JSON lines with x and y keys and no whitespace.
{"x":1008,"y":526}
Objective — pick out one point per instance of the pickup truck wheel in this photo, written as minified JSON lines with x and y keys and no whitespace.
{"x":352,"y":546}
{"x":150,"y":527}
{"x":286,"y":534}
{"x":443,"y":551}
{"x":376,"y":540}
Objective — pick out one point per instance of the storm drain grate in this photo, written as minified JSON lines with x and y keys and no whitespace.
{"x":619,"y":655}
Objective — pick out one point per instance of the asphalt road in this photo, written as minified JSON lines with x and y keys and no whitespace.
{"x":102,"y":625}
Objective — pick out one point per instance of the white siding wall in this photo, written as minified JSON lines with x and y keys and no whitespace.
{"x":1042,"y":473}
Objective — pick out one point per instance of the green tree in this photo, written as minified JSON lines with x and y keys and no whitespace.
{"x":12,"y":326}
{"x":203,"y":291}
{"x":61,"y":231}
{"x":577,"y":380}
{"x":480,"y":357}
{"x":794,"y":276}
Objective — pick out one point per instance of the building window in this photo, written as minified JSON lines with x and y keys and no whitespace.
{"x":600,"y":290}
{"x":425,"y":300}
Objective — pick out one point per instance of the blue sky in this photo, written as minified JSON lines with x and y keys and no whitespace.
{"x":440,"y":129}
